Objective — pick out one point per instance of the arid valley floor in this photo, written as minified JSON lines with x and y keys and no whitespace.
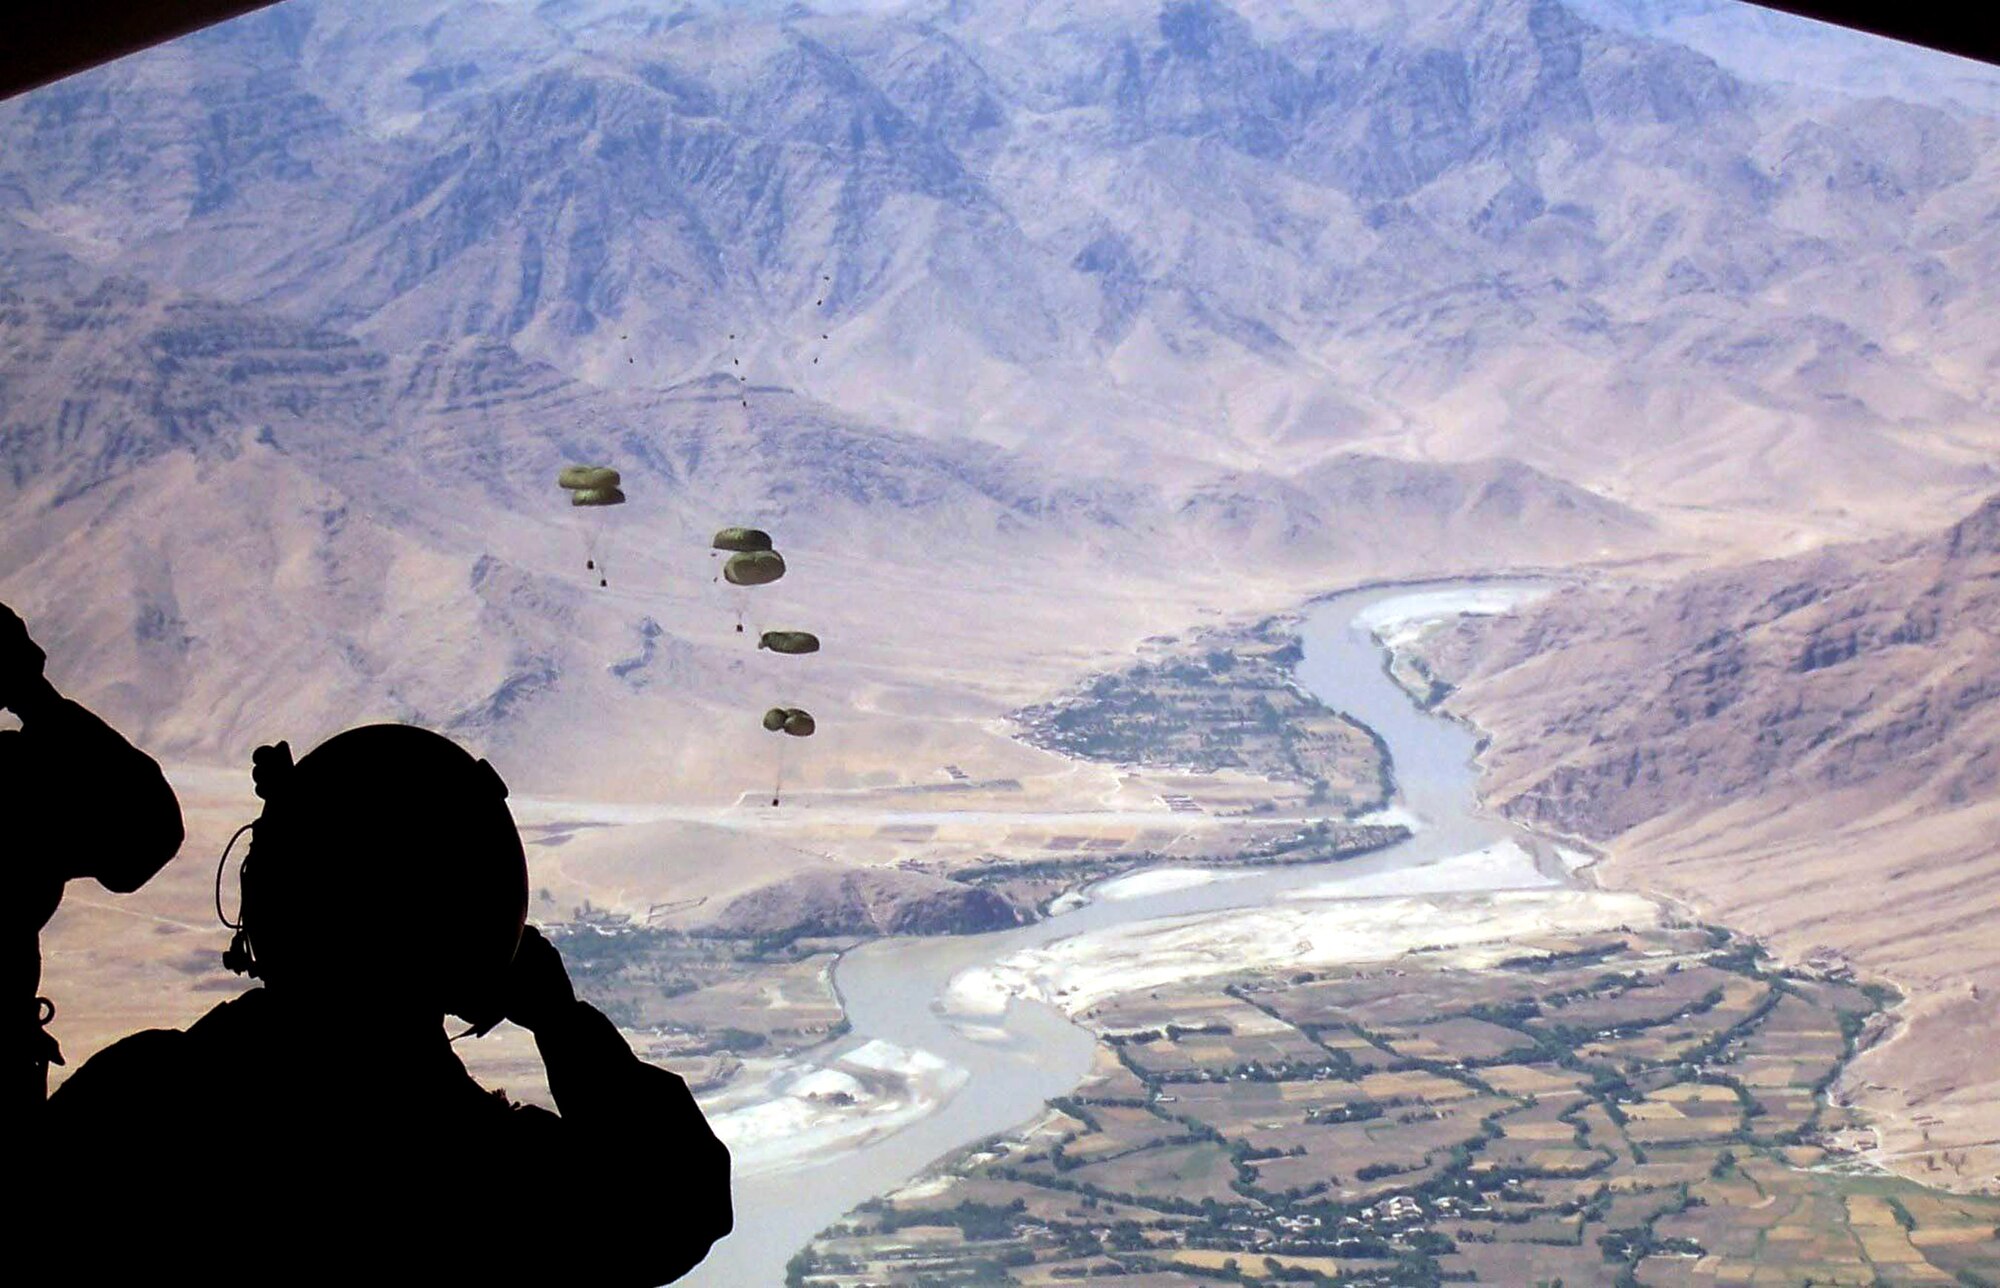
{"x":1077,"y":356}
{"x":1487,"y":1068}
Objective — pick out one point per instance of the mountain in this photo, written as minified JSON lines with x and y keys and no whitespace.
{"x":1428,"y":513}
{"x":1804,"y":747}
{"x":1137,"y":236}
{"x":1857,"y":667}
{"x":867,"y":901}
{"x":209,"y":502}
{"x":1765,"y":44}
{"x":1022,"y":321}
{"x":1034,"y":329}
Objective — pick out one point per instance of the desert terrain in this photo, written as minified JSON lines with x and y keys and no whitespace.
{"x":1805,"y":749}
{"x":1068,"y":352}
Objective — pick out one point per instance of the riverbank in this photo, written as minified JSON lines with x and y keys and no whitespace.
{"x":1018,"y":1056}
{"x":1472,"y":930}
{"x":1640,"y":1103}
{"x":804,"y":1109}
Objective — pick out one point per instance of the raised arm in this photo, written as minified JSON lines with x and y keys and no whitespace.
{"x":78,"y":769}
{"x":612,"y":1102}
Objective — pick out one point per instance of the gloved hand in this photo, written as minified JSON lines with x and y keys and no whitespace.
{"x":21,"y":662}
{"x":538,"y":988}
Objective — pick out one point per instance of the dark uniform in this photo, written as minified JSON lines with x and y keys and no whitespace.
{"x":271,"y":1147}
{"x":321,"y":1128}
{"x":79,"y":801}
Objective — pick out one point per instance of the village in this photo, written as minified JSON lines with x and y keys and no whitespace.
{"x":1625,"y":1108}
{"x":1222,"y":702}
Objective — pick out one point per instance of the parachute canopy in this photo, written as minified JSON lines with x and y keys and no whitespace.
{"x":793,"y":642}
{"x":742,"y":540}
{"x":798,"y":723}
{"x":596,"y":496}
{"x":591,"y":477}
{"x":753,"y":568}
{"x":774,"y":719}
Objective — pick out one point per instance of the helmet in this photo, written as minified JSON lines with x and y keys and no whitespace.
{"x":385,"y":861}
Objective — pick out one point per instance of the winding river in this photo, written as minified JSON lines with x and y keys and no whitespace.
{"x":891,"y":987}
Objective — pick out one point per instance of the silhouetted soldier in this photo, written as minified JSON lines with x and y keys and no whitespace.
{"x":321,"y":1129}
{"x":78,"y":801}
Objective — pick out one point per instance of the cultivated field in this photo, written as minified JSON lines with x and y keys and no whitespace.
{"x":1619,"y":1108}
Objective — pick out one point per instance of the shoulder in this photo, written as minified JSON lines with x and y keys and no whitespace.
{"x":137,"y":1073}
{"x":123,"y":1078}
{"x":225,"y":1021}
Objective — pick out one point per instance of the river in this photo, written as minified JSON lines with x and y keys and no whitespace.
{"x":891,"y":987}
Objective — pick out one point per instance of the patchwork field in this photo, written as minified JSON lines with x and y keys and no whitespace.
{"x":1622,"y":1108}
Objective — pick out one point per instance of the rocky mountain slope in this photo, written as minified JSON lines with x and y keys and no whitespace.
{"x":303,"y":311}
{"x":1139,"y":236}
{"x":873,"y":901}
{"x":1859,"y":667}
{"x":1807,"y":747}
{"x":1763,"y":44}
{"x":1035,"y":328}
{"x":209,"y":502}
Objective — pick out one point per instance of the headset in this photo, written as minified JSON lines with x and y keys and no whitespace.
{"x":237,"y":957}
{"x":272,"y":772}
{"x":270,"y":769}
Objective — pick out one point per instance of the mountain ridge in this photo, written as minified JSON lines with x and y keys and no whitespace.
{"x":1026,"y":219}
{"x":285,"y":492}
{"x":1804,"y":747}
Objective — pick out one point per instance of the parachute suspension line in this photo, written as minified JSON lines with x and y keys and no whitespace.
{"x":778,"y":784}
{"x":820,"y":303}
{"x":592,"y":487}
{"x":739,"y":603}
{"x":736,"y":369}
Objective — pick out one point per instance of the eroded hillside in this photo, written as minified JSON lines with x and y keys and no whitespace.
{"x":1804,"y":747}
{"x":1165,"y":237}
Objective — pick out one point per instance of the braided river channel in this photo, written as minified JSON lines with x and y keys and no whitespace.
{"x":894,"y":990}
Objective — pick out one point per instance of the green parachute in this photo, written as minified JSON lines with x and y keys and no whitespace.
{"x":790,"y":720}
{"x":754,"y":568}
{"x":588,"y":478}
{"x":742,"y":540}
{"x":752,"y":562}
{"x":592,"y":486}
{"x":793,"y":642}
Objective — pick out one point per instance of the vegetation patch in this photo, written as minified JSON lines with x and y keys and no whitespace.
{"x":1624,"y":1110}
